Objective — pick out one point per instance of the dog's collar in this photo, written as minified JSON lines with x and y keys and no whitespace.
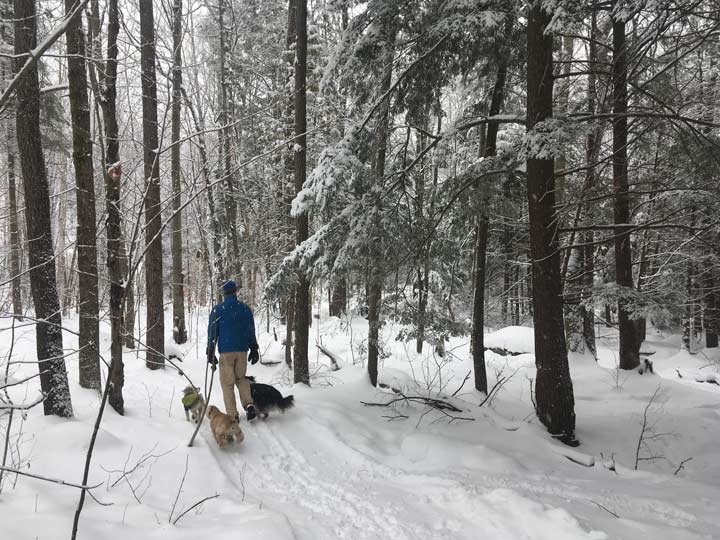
{"x":189,"y":400}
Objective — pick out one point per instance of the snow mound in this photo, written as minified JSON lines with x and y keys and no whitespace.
{"x":515,"y":339}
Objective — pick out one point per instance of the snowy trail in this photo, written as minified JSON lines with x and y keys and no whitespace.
{"x":319,"y":502}
{"x":357,"y":483}
{"x":300,"y":467}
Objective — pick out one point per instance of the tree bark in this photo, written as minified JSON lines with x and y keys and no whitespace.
{"x":338,"y":299}
{"x":178,"y":285}
{"x":14,"y":225}
{"x":89,"y":331}
{"x":8,"y":69}
{"x":688,"y":318}
{"x":233,"y":265}
{"x":116,"y":258}
{"x":43,"y":286}
{"x":423,"y":270}
{"x":155,"y":329}
{"x":712,"y":308}
{"x":477,"y":336}
{"x":553,"y":386}
{"x":481,"y":236}
{"x":302,"y":289}
{"x":629,"y":343}
{"x":128,"y":328}
{"x":63,"y":280}
{"x":14,"y":228}
{"x":375,"y":275}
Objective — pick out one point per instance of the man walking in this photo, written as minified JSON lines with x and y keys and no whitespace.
{"x":232,"y":328}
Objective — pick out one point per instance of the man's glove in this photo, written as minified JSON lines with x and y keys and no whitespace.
{"x":210,"y":352}
{"x":254,"y":355}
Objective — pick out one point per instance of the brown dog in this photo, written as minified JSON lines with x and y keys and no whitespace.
{"x":224,"y":428}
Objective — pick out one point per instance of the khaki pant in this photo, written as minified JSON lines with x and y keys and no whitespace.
{"x":233,"y":366}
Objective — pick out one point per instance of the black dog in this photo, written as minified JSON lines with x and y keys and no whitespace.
{"x":268,"y":398}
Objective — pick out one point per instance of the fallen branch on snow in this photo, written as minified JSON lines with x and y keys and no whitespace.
{"x":194,"y":506}
{"x":334,"y":363}
{"x":502,"y":352}
{"x":438,"y":404}
{"x":606,"y":509}
{"x":432,"y":403}
{"x":681,"y":466}
{"x":49,"y":479}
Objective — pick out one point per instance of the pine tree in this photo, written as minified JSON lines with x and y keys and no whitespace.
{"x":553,"y":386}
{"x":629,"y":343}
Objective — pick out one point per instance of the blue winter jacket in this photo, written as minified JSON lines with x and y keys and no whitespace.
{"x":231,"y":326}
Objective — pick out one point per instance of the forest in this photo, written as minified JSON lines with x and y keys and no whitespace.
{"x":479,"y":238}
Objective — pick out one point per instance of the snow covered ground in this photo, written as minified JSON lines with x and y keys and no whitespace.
{"x":335,"y":468}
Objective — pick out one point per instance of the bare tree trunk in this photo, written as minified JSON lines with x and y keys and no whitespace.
{"x":64,"y":288}
{"x":629,"y":343}
{"x":48,"y":331}
{"x":155,"y":332}
{"x":712,"y":308}
{"x":338,"y":299}
{"x":178,"y":286}
{"x":588,"y":312}
{"x":11,"y":149}
{"x":302,"y":288}
{"x":555,"y":402}
{"x":116,"y":256}
{"x":477,"y":336}
{"x":518,"y":296}
{"x":289,"y":325}
{"x":14,"y":226}
{"x":592,"y":153}
{"x":375,"y":277}
{"x":572,"y":270}
{"x":89,"y":333}
{"x":233,"y":264}
{"x":688,"y":318}
{"x":287,"y":191}
{"x":128,"y":328}
{"x":423,"y":268}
